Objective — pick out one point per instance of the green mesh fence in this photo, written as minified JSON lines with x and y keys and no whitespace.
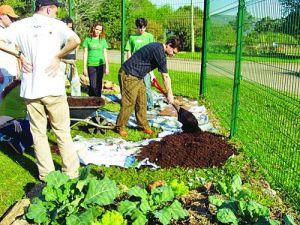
{"x":269,"y":87}
{"x":168,"y":18}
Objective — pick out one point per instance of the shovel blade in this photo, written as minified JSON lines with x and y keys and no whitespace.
{"x":188,"y":120}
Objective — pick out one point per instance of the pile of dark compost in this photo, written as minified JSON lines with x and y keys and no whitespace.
{"x":85,"y":101}
{"x":189,"y":150}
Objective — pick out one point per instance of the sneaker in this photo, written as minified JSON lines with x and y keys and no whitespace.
{"x":148,"y":131}
{"x":122,"y":132}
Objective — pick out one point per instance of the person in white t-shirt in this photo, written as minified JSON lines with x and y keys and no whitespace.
{"x":9,"y":68}
{"x":40,"y":38}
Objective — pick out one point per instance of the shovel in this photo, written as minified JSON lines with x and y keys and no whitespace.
{"x":188,"y":120}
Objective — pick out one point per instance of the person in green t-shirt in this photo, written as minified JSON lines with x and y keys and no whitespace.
{"x":95,"y":60}
{"x":135,"y":42}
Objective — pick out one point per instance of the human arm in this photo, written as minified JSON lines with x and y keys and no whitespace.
{"x":85,"y":57}
{"x":68,"y":61}
{"x":26,"y":66}
{"x":152,"y":76}
{"x":168,"y":86}
{"x":128,"y":54}
{"x":71,"y":43}
{"x":106,"y":61}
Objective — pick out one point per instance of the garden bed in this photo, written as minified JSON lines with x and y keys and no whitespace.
{"x":189,"y":150}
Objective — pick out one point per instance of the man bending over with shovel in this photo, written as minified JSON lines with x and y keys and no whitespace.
{"x":133,"y":88}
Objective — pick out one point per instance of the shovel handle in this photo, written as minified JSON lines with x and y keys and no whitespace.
{"x":158,"y":87}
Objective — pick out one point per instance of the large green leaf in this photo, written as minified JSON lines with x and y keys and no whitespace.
{"x":215,"y":200}
{"x":177,"y":211}
{"x":266,"y":221}
{"x":37,"y":212}
{"x":112,"y":218}
{"x":222,"y":188}
{"x":179,"y":188}
{"x":84,"y":172}
{"x":164,"y":215}
{"x":288,"y":220}
{"x":127,"y":207}
{"x":144,"y":206}
{"x":56,"y":179}
{"x":50,"y":193}
{"x":162,"y":194}
{"x":85,"y":218}
{"x":243,"y":194}
{"x":138,"y":192}
{"x":236,"y":184}
{"x":226,"y":215}
{"x":101,"y":192}
{"x":138,"y":218}
{"x":257,"y":210}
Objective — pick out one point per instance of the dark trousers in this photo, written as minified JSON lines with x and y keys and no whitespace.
{"x":96,"y":77}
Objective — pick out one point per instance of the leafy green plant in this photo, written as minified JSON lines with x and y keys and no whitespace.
{"x":111,"y":218}
{"x":235,"y":206}
{"x":87,"y":200}
{"x":158,"y":204}
{"x":77,"y":201}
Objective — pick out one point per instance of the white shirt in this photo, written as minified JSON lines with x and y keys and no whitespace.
{"x":8,"y":62}
{"x":40,"y":38}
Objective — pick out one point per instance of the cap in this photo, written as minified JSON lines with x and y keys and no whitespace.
{"x":8,"y":10}
{"x":39,"y":3}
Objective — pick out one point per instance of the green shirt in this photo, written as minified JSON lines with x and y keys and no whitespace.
{"x":137,"y":41}
{"x":95,"y":48}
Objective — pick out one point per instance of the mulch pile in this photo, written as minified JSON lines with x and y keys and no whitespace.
{"x":189,"y":150}
{"x":85,"y":101}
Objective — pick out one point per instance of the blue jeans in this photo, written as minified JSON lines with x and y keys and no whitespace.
{"x":147,"y":81}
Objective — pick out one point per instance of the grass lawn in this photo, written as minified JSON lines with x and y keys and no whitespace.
{"x":216,"y":56}
{"x":19,"y":170}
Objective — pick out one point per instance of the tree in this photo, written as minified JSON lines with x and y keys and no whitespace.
{"x":290,"y":5}
{"x":21,"y":7}
{"x":179,"y":25}
{"x":267,"y":24}
{"x":291,"y":24}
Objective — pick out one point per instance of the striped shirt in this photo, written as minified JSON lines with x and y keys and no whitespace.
{"x":146,"y":59}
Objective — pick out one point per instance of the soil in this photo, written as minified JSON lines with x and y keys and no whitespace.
{"x":85,"y":101}
{"x":189,"y":150}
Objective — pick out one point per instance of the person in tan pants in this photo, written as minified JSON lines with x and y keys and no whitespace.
{"x":39,"y":39}
{"x":133,"y":89}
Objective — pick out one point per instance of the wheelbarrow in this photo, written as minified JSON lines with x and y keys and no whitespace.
{"x":82,"y":109}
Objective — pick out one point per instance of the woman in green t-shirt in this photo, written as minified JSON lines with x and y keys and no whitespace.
{"x":95,"y":61}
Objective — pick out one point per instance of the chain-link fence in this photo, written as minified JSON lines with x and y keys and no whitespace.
{"x":174,"y":18}
{"x":253,"y":84}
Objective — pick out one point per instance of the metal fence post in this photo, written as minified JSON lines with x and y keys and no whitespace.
{"x":237,"y":68}
{"x":204,"y":48}
{"x":70,"y":8}
{"x":33,"y":6}
{"x":123,"y":28}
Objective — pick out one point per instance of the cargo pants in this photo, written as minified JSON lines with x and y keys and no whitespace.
{"x":133,"y":93}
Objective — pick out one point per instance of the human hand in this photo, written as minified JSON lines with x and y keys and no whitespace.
{"x":17,"y":125}
{"x":152,"y":77}
{"x":85,"y":72}
{"x":25,"y":65}
{"x":106,"y":71}
{"x":170,"y":98}
{"x":52,"y":70}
